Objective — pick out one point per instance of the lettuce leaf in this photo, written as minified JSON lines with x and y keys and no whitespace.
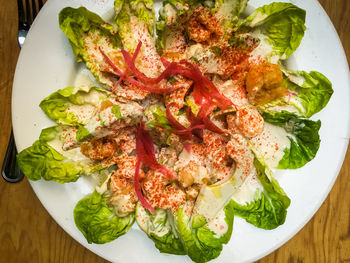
{"x":201,"y":243}
{"x":48,"y":160}
{"x":161,"y":229}
{"x":42,"y":161}
{"x":128,"y":11}
{"x":168,"y":14}
{"x":85,"y":30}
{"x":57,"y":105}
{"x":305,"y":143}
{"x":269,"y":208}
{"x":97,"y":221}
{"x":157,"y":117}
{"x":313,"y":93}
{"x":282,"y":25}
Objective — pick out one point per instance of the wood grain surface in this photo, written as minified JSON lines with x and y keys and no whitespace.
{"x":29,"y":234}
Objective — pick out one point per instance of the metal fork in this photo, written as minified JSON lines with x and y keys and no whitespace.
{"x":27,"y":11}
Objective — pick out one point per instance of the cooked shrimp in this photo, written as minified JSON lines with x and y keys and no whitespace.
{"x":160,"y":194}
{"x":215,"y":148}
{"x":202,"y":26}
{"x":238,"y":149}
{"x":247,"y":121}
{"x":99,"y":149}
{"x":177,"y":97}
{"x":124,"y":197}
{"x":125,"y":140}
{"x":126,"y":167}
{"x":122,"y":185}
{"x":264,"y":83}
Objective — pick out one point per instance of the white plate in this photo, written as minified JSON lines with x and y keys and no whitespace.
{"x":46,"y":64}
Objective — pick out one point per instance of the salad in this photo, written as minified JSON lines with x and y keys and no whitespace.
{"x":186,"y":119}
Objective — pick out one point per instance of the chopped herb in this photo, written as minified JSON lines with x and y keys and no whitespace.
{"x":101,"y":121}
{"x":116,"y":111}
{"x":216,"y":50}
{"x":172,"y":80}
{"x":194,"y":60}
{"x":236,"y":42}
{"x":82,"y":134}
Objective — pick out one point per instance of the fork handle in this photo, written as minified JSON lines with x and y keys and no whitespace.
{"x":10,"y":170}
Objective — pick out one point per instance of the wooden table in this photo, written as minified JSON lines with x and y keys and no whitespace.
{"x":29,"y":234}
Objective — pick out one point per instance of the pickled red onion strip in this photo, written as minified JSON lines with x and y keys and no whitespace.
{"x":177,"y":125}
{"x":121,"y":78}
{"x":153,"y":89}
{"x":137,"y":187}
{"x":188,"y":130}
{"x":187,"y":146}
{"x":209,"y":125}
{"x":140,"y":85}
{"x":146,"y":153}
{"x":172,"y":68}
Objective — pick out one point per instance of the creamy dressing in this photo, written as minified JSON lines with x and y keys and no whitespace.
{"x":73,"y":154}
{"x":84,"y":79}
{"x":103,"y":187}
{"x":175,"y":41}
{"x":218,"y":225}
{"x":98,"y":125}
{"x":209,"y":62}
{"x":213,"y":198}
{"x":88,"y":103}
{"x":184,"y":158}
{"x":248,"y":190}
{"x":83,"y":112}
{"x":225,"y":10}
{"x":92,"y":97}
{"x":257,"y":19}
{"x":169,"y":12}
{"x":122,"y":204}
{"x":107,"y":117}
{"x":234,"y":92}
{"x":94,"y":41}
{"x":69,"y":139}
{"x":271,"y":143}
{"x":264,"y":50}
{"x":297,"y":79}
{"x":296,"y":107}
{"x":156,"y":226}
{"x":148,"y":60}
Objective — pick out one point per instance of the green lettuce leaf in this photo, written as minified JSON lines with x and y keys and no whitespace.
{"x":85,"y":30}
{"x":269,"y":208}
{"x":305,"y":141}
{"x":97,"y":221}
{"x":42,"y":161}
{"x":128,"y":11}
{"x":56,"y":106}
{"x":165,"y":25}
{"x":201,"y":243}
{"x":313,"y":92}
{"x":157,"y":117}
{"x":161,"y":229}
{"x":282,"y":25}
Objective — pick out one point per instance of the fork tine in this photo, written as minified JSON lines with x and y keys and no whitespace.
{"x":20,"y":9}
{"x":28,"y":13}
{"x":40,"y":4}
{"x":34,"y":10}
